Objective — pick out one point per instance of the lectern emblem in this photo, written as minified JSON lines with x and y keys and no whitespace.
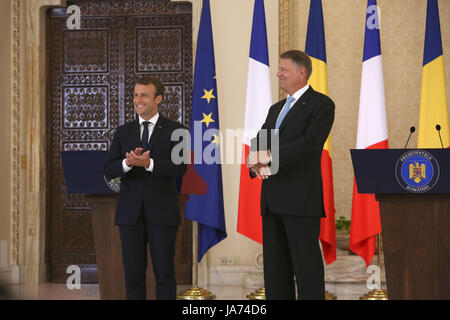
{"x":417,"y":171}
{"x":113,"y":184}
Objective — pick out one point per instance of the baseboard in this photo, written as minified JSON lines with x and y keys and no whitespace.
{"x":5,"y":275}
{"x":246,"y":276}
{"x":348,"y":269}
{"x":17,"y":274}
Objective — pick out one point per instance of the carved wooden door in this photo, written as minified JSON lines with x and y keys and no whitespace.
{"x":90,"y":86}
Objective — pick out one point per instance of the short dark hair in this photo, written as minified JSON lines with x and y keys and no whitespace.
{"x":300,"y":58}
{"x":145,"y":80}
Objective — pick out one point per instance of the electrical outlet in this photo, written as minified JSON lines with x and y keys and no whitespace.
{"x":229,"y":261}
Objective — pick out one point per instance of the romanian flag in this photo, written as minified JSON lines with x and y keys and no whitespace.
{"x":258,"y":102}
{"x":315,"y":48}
{"x":207,"y":209}
{"x":372,"y":134}
{"x":433,"y":101}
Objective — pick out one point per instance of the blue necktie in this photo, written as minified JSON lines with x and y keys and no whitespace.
{"x":284,"y":111}
{"x":144,"y":140}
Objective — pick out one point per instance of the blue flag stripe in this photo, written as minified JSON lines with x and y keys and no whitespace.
{"x":433,"y":40}
{"x":315,"y":37}
{"x":372,"y":45}
{"x":258,"y":46}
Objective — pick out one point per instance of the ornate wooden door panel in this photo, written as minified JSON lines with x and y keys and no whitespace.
{"x":91,"y":74}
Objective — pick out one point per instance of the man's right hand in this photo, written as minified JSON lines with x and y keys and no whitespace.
{"x":258,"y":158}
{"x":261,"y":171}
{"x":130,"y":160}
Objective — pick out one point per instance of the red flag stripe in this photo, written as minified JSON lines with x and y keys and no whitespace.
{"x":328,"y":226}
{"x":365,"y":223}
{"x":249,"y":218}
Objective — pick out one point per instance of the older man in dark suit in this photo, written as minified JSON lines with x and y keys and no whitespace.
{"x":291,"y":196}
{"x":147,"y":207}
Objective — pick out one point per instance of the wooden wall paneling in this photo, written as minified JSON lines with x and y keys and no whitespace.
{"x":89,"y":93}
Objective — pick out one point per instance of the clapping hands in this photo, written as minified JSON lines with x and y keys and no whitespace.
{"x":137,"y":158}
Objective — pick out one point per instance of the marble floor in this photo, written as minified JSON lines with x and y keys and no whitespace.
{"x":347,"y":278}
{"x":58,"y":291}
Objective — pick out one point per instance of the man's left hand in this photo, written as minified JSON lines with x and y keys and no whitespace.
{"x":141,"y":160}
{"x":258,"y":158}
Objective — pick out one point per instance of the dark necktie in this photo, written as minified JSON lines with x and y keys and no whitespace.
{"x":144,"y":140}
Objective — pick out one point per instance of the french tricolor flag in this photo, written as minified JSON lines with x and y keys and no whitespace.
{"x":258,"y":102}
{"x":372,"y":134}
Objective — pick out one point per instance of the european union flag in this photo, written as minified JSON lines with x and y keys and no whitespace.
{"x":206,"y":209}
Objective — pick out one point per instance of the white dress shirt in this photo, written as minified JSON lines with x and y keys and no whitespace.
{"x":151,"y":127}
{"x":298,"y":94}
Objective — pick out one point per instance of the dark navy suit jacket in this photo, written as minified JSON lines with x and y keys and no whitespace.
{"x":296,"y":189}
{"x":156,"y":191}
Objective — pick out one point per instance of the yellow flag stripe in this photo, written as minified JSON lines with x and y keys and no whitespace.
{"x":319,"y":81}
{"x":319,"y":76}
{"x":433,"y":106}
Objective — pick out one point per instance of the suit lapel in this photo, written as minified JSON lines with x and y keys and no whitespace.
{"x":159,"y":126}
{"x":277,"y":109}
{"x":136,"y":134}
{"x":297,"y":107}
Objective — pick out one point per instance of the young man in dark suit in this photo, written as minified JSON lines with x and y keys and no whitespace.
{"x":147,"y":206}
{"x":291,"y":195}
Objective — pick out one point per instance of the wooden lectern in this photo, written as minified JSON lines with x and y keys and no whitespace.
{"x":413,"y":189}
{"x":108,"y":248}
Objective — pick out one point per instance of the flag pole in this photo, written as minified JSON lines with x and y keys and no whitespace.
{"x":377,"y":294}
{"x":195,"y":292}
{"x":259,"y":294}
{"x":204,"y":75}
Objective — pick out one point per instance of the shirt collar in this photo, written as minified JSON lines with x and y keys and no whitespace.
{"x":300,"y":92}
{"x":152,"y":120}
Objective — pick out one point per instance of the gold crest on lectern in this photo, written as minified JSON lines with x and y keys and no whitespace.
{"x":417,"y":172}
